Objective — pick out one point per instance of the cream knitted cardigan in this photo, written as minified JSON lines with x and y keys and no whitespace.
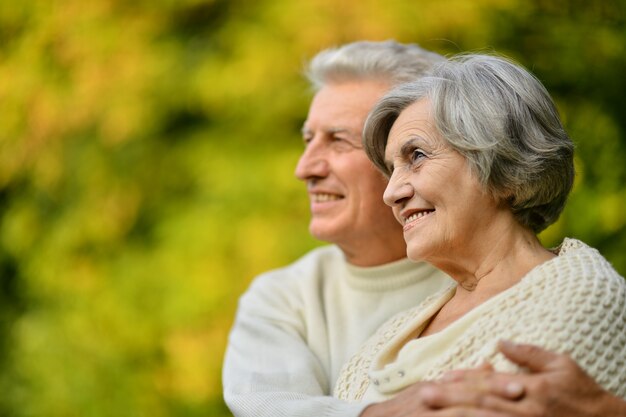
{"x":574,"y":303}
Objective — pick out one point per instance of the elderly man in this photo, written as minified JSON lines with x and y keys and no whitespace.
{"x":296,"y":326}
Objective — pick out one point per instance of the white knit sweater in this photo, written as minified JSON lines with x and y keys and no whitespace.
{"x":296,"y":327}
{"x":574,"y":303}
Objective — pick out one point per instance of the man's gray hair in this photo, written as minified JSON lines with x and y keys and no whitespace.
{"x":386,"y":61}
{"x":501,"y":118}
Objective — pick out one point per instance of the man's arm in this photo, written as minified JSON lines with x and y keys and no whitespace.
{"x":269,"y":370}
{"x":556,"y":386}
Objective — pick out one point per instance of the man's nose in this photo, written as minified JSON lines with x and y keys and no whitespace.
{"x":313,"y":162}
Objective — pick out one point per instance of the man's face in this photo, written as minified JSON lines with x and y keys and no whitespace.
{"x":345,"y":189}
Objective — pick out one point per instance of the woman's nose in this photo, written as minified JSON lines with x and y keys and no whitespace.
{"x":398,"y":190}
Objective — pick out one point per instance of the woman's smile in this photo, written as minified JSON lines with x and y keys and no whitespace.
{"x":414,"y":218}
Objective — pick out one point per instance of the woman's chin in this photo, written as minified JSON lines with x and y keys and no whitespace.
{"x":415,"y":254}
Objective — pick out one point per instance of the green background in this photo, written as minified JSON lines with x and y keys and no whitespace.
{"x":147,"y":151}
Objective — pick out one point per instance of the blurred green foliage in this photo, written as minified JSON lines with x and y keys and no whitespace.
{"x":146,"y":158}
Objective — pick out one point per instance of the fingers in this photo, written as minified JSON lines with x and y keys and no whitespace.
{"x":467,"y":374}
{"x":406,"y":403}
{"x":490,"y":393}
{"x":465,"y":412}
{"x":532,"y":357}
{"x":486,"y":366}
{"x":483,"y":382}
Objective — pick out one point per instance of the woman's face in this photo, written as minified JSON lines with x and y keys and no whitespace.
{"x":440,"y":204}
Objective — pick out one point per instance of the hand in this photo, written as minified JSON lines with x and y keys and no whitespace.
{"x":411,"y":402}
{"x":556,"y":386}
{"x":406,"y":404}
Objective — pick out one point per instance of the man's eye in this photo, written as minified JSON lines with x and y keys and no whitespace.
{"x":343,"y":144}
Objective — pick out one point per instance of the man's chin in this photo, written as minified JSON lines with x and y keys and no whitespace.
{"x":325,"y":233}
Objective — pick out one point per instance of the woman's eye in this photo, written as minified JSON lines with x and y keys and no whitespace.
{"x":416,"y":155}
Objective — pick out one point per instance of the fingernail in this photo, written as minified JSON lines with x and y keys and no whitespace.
{"x":507,"y":344}
{"x":514,"y":389}
{"x":428,"y":394}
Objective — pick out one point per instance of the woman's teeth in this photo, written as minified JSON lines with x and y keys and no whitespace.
{"x":417,"y":215}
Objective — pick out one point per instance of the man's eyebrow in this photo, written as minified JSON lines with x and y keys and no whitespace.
{"x":338,"y":130}
{"x":332,"y":130}
{"x":353,"y":135}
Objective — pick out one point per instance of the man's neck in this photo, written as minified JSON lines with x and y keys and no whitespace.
{"x":375,"y":254}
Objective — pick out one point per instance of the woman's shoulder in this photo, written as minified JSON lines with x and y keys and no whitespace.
{"x":578,"y":276}
{"x":582,"y":266}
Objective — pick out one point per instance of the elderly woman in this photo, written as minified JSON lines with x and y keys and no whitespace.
{"x":478,"y":164}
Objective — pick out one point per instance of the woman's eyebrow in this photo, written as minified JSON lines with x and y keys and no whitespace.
{"x":409,"y":145}
{"x":406,"y":148}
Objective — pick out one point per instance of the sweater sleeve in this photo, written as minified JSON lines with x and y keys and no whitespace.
{"x":269,"y":369}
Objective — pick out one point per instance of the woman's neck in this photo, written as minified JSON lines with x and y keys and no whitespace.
{"x":496,"y":259}
{"x":488,"y":270}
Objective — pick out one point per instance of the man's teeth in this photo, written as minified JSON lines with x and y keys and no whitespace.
{"x":321,"y":198}
{"x":417,"y":215}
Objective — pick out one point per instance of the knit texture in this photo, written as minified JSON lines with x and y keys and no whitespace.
{"x":574,"y":303}
{"x":296,"y":326}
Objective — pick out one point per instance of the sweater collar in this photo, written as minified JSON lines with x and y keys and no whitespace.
{"x":391,"y":276}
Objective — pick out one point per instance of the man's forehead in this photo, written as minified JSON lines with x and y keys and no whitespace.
{"x":307,"y":128}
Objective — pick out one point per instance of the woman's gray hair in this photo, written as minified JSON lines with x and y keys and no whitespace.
{"x":501,"y":118}
{"x":388,"y":61}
